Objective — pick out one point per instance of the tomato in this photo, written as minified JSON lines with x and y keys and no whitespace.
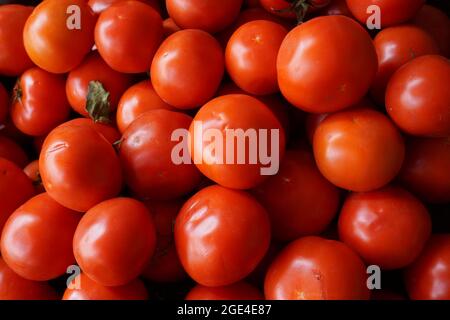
{"x":40,"y":102}
{"x":221,"y":235}
{"x":316,"y":70}
{"x":392,"y":12}
{"x":91,"y":290}
{"x":36,"y":241}
{"x":293,"y":8}
{"x":428,"y":278}
{"x":13,"y":152}
{"x":418,"y":99}
{"x":236,"y":291}
{"x":4,"y":104}
{"x":14,"y":287}
{"x":251,"y":56}
{"x":32,"y":172}
{"x":425,"y":170}
{"x":94,"y":89}
{"x":79,"y":167}
{"x":109,"y":132}
{"x":335,"y":8}
{"x":187,"y":68}
{"x":146,"y":156}
{"x":314,"y":268}
{"x":299,"y":200}
{"x":359,"y":149}
{"x":13,"y":60}
{"x":207,"y":15}
{"x":137,"y":100}
{"x":170,"y":27}
{"x":371,"y":223}
{"x":127,"y":36}
{"x":98,"y":6}
{"x":112,"y":248}
{"x":49,"y":41}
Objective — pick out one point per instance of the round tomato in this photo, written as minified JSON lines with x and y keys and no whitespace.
{"x":127,"y":36}
{"x":4,"y":104}
{"x":221,"y":235}
{"x":317,"y":72}
{"x":109,"y":132}
{"x":32,"y":172}
{"x":98,"y":6}
{"x":314,"y":268}
{"x":12,"y":152}
{"x":418,"y":99}
{"x":237,"y":291}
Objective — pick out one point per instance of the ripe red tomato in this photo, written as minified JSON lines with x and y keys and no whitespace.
{"x":13,"y":59}
{"x":109,"y":132}
{"x":299,"y":200}
{"x":49,"y":41}
{"x":314,"y":268}
{"x":251,"y":56}
{"x":221,"y":235}
{"x":146,"y":155}
{"x":32,"y":172}
{"x":425,"y":171}
{"x":237,"y":291}
{"x":428,"y":278}
{"x":418,"y":99}
{"x":359,"y":149}
{"x":36,"y":240}
{"x":98,"y":6}
{"x":91,"y":290}
{"x":316,"y":70}
{"x":40,"y":102}
{"x":79,"y":167}
{"x":207,"y":15}
{"x":131,"y":29}
{"x":371,"y":223}
{"x":112,"y":248}
{"x":4,"y":104}
{"x":187,"y":68}
{"x":12,"y":152}
{"x":392,"y":12}
{"x":395,"y":47}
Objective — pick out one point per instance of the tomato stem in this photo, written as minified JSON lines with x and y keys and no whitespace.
{"x":97,"y":103}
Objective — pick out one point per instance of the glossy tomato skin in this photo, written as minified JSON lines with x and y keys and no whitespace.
{"x":40,"y":102}
{"x":91,"y":290}
{"x":359,"y":149}
{"x":98,"y":6}
{"x":36,"y":240}
{"x":129,"y":28}
{"x":251,"y":56}
{"x":371,"y":223}
{"x":418,"y":99}
{"x":12,"y":152}
{"x":146,"y":156}
{"x":187,"y":69}
{"x":109,"y":132}
{"x":79,"y":167}
{"x":314,"y":268}
{"x":4,"y":104}
{"x":218,"y":243}
{"x":32,"y":172}
{"x":315,"y":57}
{"x":111,"y":247}
{"x":237,"y":291}
{"x":210,"y":16}
{"x":428,"y":278}
{"x":49,"y":42}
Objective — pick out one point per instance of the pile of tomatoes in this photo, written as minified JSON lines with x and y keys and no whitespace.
{"x":90,"y":97}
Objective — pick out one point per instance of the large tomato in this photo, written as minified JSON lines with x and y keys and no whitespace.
{"x":317,"y":70}
{"x":237,"y":291}
{"x":4,"y":104}
{"x":12,"y":152}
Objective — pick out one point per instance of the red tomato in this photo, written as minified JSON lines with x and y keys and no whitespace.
{"x":428,"y":278}
{"x":13,"y":59}
{"x":91,"y":290}
{"x":316,"y":70}
{"x":112,"y":248}
{"x":187,"y":68}
{"x":98,"y":6}
{"x":127,"y":36}
{"x":359,"y":149}
{"x":418,"y":99}
{"x":207,"y":15}
{"x":79,"y":167}
{"x":170,"y":27}
{"x":49,"y":41}
{"x":371,"y":223}
{"x":146,"y":155}
{"x":36,"y":241}
{"x":12,"y":152}
{"x":109,"y":132}
{"x":236,"y":291}
{"x":251,"y":56}
{"x":137,"y":100}
{"x":392,"y":12}
{"x":425,"y":171}
{"x":32,"y":172}
{"x":336,"y":8}
{"x":314,"y":268}
{"x":221,"y":235}
{"x":299,"y":200}
{"x":14,"y":287}
{"x":40,"y":102}
{"x":395,"y":47}
{"x":4,"y":104}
